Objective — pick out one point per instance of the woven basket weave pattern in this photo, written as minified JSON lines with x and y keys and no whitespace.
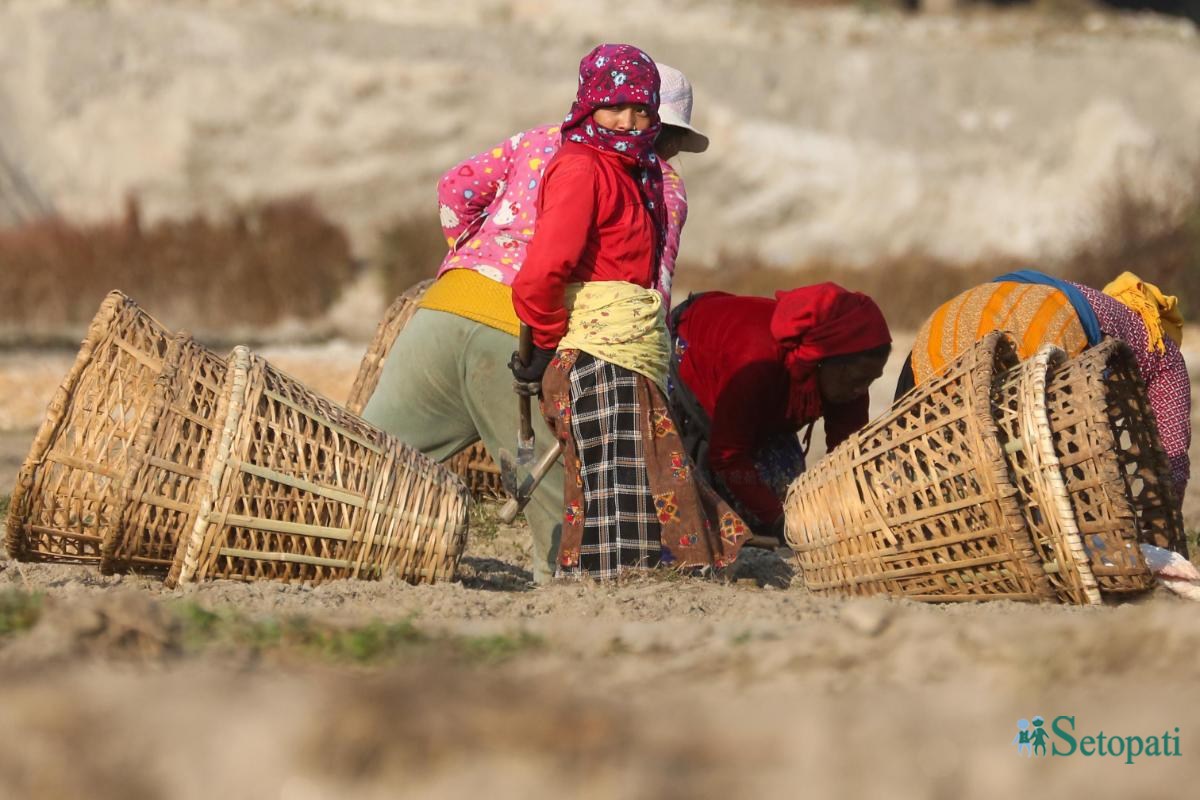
{"x":1117,"y":474}
{"x":299,"y":489}
{"x":919,"y":502}
{"x":159,"y":493}
{"x":481,"y":474}
{"x":1024,"y":425}
{"x":68,"y":496}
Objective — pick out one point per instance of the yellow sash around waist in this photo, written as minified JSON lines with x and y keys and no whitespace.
{"x":621,"y":323}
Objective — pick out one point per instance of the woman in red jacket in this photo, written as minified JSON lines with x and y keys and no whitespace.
{"x":749,"y":373}
{"x":601,"y":343}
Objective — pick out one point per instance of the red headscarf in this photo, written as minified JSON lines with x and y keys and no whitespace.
{"x":610,"y":75}
{"x":813,"y":323}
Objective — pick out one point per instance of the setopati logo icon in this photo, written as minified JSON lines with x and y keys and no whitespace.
{"x":1062,"y":738}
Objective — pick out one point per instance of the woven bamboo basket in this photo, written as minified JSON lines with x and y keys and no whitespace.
{"x":1025,"y":435}
{"x":104,"y":427}
{"x":160,"y":487}
{"x":919,"y":504}
{"x":1117,"y":474}
{"x":297,"y":488}
{"x":474,"y":464}
{"x":480,"y":472}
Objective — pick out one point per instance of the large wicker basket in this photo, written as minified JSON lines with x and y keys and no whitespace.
{"x":919,"y":503}
{"x":297,"y":488}
{"x":1117,"y":474}
{"x":479,"y":471}
{"x":109,"y":476}
{"x":1025,"y":435}
{"x":159,"y":504}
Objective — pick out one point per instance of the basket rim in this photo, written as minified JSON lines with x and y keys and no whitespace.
{"x":118,"y":549}
{"x":977,"y":370}
{"x":99,"y":329}
{"x":1032,"y":391}
{"x":233,"y":397}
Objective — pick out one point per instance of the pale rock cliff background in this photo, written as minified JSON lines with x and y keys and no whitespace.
{"x":837,"y":134}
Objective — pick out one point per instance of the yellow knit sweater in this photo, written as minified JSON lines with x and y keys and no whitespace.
{"x":468,"y":294}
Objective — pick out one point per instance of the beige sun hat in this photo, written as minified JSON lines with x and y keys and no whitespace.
{"x":675,"y":107}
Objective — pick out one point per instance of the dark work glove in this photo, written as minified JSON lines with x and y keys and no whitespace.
{"x":530,"y":376}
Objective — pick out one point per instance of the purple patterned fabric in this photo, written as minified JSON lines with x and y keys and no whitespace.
{"x":610,"y":75}
{"x":1168,"y":386}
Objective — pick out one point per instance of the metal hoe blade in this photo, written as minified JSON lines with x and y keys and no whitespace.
{"x":508,"y":473}
{"x":524,"y":451}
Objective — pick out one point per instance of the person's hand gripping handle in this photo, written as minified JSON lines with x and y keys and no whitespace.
{"x":524,"y":398}
{"x":528,"y":364}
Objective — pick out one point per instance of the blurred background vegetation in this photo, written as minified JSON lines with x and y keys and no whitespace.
{"x":1135,"y":235}
{"x":282,"y":260}
{"x":286,"y":261}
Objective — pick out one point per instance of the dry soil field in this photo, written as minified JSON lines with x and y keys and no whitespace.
{"x":112,"y":687}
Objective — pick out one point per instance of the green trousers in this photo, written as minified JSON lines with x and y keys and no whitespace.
{"x":445,"y":384}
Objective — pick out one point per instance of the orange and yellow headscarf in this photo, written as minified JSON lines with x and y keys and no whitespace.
{"x":1160,"y":312}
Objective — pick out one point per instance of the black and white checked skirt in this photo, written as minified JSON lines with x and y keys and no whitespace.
{"x":621,"y":529}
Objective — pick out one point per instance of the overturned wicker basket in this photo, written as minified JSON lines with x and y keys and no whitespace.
{"x":111,"y":473}
{"x":919,"y":504}
{"x":160,"y":488}
{"x":1022,"y":418}
{"x":473,"y":463}
{"x":298,"y":489}
{"x":1117,"y":475}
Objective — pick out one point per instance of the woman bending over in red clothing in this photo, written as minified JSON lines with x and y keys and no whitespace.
{"x":602,"y":349}
{"x":749,"y":373}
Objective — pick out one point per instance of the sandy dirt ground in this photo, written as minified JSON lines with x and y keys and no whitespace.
{"x":656,"y":687}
